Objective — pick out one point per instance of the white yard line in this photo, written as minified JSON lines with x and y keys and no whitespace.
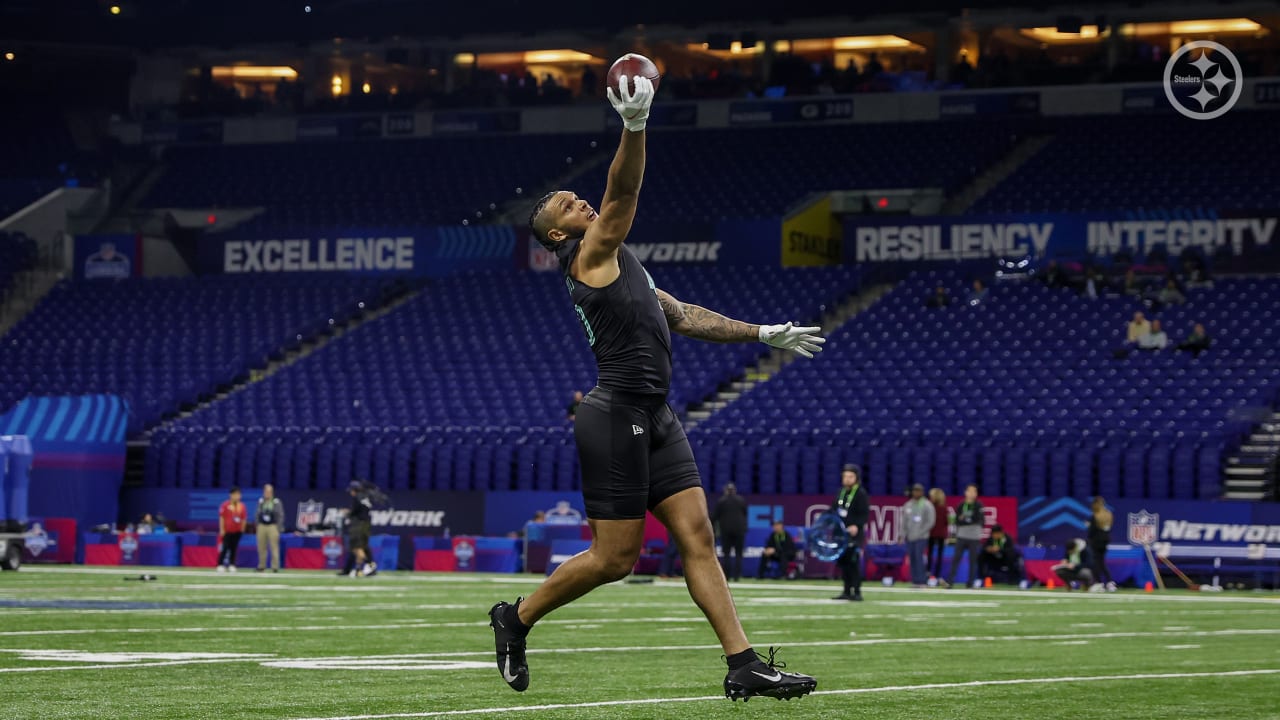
{"x":850,"y":691}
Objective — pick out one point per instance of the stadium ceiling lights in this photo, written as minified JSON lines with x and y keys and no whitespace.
{"x":255,"y":72}
{"x":1193,"y":27}
{"x":1088,"y":33}
{"x":852,"y":42}
{"x":1091,"y":33}
{"x":531,"y":57}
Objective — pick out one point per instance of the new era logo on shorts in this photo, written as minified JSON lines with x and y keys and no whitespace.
{"x":637,"y":430}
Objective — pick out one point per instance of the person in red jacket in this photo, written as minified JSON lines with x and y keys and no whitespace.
{"x":232,"y":517}
{"x":941,"y":530}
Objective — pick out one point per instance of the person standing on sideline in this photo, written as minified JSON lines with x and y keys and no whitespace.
{"x":1099,"y":535}
{"x":232,"y":517}
{"x":940,"y":532}
{"x":918,"y":516}
{"x":731,"y":517}
{"x":268,"y":519}
{"x":854,"y":507}
{"x":970,"y":521}
{"x":359,"y":527}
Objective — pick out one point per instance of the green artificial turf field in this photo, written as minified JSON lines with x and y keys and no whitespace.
{"x":85,"y":643}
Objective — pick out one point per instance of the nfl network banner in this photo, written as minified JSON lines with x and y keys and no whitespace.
{"x":1185,"y":525}
{"x":896,"y":239}
{"x":108,"y":257}
{"x":760,"y":112}
{"x":406,"y":513}
{"x":430,"y":252}
{"x":729,"y":242}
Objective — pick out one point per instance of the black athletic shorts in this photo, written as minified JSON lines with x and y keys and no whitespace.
{"x":633,"y":454}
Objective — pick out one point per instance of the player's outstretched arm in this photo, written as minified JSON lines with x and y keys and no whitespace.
{"x":700,"y":323}
{"x":622,"y":191}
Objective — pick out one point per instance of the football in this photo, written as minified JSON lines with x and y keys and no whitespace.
{"x":631,"y":65}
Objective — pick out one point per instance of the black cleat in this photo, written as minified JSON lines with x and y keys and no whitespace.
{"x":510,"y":645}
{"x":766,"y":679}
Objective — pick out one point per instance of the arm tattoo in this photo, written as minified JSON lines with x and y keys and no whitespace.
{"x":700,"y":323}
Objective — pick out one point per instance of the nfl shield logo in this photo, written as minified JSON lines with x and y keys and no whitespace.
{"x":309,"y":513}
{"x":1143,"y":527}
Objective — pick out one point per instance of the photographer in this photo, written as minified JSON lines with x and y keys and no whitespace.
{"x":779,"y":549}
{"x":1001,"y":560}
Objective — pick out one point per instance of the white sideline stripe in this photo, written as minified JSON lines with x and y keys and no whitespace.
{"x":850,"y":691}
{"x":130,"y":665}
{"x":672,"y":648}
{"x":746,"y":617}
{"x":745,"y":587}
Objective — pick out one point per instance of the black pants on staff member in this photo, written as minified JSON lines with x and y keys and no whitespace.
{"x":230,"y":544}
{"x":735,"y":543}
{"x":850,"y":564}
{"x":1099,"y":552}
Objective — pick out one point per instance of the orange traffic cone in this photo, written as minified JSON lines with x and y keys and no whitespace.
{"x":986,"y":582}
{"x":1050,"y":584}
{"x":1149,"y":587}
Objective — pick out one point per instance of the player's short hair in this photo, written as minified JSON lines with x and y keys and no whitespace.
{"x":539,"y":234}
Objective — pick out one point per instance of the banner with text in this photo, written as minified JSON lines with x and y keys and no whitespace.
{"x":406,"y":513}
{"x":870,"y":239}
{"x":884,"y":526}
{"x":728,"y":242}
{"x":430,"y":252}
{"x":762,"y":112}
{"x":108,"y":257}
{"x":1219,"y":524}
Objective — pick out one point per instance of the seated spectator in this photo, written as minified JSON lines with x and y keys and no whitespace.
{"x":1171,"y":295}
{"x":780,"y":550}
{"x":1053,"y":275}
{"x":977,"y":294}
{"x":1093,"y":284}
{"x":1155,"y":340}
{"x":1196,"y":274}
{"x":1197,"y":342}
{"x":1074,"y":568}
{"x":573,"y":405}
{"x":939,"y":299}
{"x":1138,"y":328}
{"x":148,"y":525}
{"x":1131,"y":285}
{"x":1000,"y":559}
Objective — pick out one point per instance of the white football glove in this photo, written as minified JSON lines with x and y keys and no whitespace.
{"x":632,"y":106}
{"x":803,"y":340}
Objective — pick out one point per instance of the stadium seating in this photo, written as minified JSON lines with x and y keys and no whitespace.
{"x":1020,"y":393}
{"x":17,"y":254}
{"x":353,"y":185}
{"x":699,"y":175}
{"x":164,"y":343}
{"x":1105,"y":163}
{"x":762,"y":172}
{"x":453,"y":387}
